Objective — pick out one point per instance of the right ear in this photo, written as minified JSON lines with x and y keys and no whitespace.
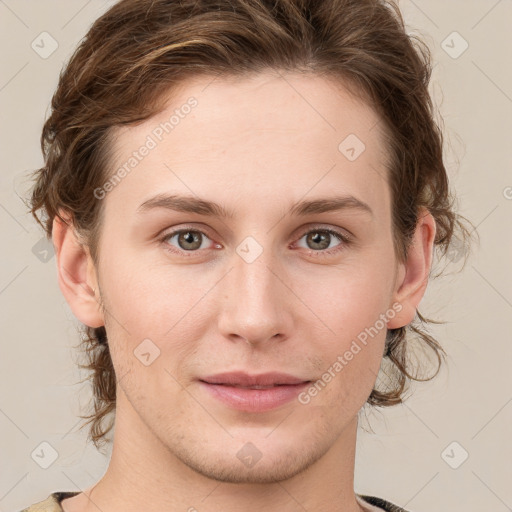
{"x":76,"y":273}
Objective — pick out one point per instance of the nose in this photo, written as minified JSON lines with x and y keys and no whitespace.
{"x":256,"y":301}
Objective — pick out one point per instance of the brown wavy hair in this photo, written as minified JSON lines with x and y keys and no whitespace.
{"x":139,"y":50}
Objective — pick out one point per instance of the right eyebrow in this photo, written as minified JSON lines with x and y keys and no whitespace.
{"x":188,"y":204}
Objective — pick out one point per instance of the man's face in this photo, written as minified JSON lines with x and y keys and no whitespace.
{"x":266,"y":290}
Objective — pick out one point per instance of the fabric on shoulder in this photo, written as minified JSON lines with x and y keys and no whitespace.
{"x":52,"y":503}
{"x":381,"y":503}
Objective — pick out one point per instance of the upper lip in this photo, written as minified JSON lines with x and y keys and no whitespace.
{"x":245,"y":379}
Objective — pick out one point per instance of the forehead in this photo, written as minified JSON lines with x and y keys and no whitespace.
{"x":258,"y":138}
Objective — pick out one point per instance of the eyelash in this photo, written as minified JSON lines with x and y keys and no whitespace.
{"x":342,"y":237}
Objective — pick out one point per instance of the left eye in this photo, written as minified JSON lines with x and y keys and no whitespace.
{"x":190,"y":240}
{"x":321,"y":238}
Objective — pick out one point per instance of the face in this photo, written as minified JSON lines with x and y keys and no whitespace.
{"x":257,"y":285}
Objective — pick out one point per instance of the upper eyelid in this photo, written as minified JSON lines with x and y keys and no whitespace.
{"x":345,"y":241}
{"x":345,"y":235}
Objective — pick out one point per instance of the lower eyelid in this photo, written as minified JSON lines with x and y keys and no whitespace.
{"x":342,"y":238}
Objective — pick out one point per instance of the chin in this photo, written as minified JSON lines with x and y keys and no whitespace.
{"x":262,"y":472}
{"x":261,"y":462}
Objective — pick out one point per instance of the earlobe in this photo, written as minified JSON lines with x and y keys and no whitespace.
{"x":413,"y":275}
{"x":76,"y":274}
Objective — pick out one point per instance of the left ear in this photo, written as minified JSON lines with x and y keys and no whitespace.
{"x":413,"y":275}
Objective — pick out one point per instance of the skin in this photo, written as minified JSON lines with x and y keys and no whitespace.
{"x":255,"y":145}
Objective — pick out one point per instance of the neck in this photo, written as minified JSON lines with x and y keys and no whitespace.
{"x":143,"y":474}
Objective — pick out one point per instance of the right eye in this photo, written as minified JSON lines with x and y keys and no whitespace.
{"x":187,"y":240}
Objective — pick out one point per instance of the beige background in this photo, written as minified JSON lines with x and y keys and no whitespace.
{"x":470,"y":402}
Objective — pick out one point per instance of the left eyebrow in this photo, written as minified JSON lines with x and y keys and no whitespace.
{"x":191,"y":204}
{"x":330,"y":204}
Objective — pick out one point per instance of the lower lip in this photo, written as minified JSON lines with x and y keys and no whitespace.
{"x":254,"y":400}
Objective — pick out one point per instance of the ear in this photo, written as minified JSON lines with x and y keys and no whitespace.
{"x":413,"y":275}
{"x":76,"y":273}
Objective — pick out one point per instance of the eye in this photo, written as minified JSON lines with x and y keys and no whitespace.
{"x":319,"y":240}
{"x":187,"y":240}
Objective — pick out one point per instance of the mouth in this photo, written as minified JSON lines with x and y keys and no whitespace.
{"x":253,"y":393}
{"x":250,"y":387}
{"x":242,"y":379}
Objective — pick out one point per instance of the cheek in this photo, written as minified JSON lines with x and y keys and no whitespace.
{"x":151,"y":311}
{"x":145,"y":299}
{"x":351,"y":300}
{"x":352,"y":332}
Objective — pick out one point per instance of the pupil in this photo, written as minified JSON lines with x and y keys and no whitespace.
{"x":189,"y":238}
{"x":317,"y":239}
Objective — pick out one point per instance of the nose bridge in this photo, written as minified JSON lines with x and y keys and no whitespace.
{"x":255,"y":279}
{"x":254,"y":306}
{"x":255,"y":284}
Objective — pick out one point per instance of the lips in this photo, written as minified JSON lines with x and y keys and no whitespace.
{"x":262,"y":381}
{"x":253,"y":393}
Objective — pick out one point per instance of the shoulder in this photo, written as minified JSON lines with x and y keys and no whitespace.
{"x":381,"y":503}
{"x":50,"y":504}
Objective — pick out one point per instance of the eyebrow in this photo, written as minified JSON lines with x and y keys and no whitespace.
{"x":191,"y":204}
